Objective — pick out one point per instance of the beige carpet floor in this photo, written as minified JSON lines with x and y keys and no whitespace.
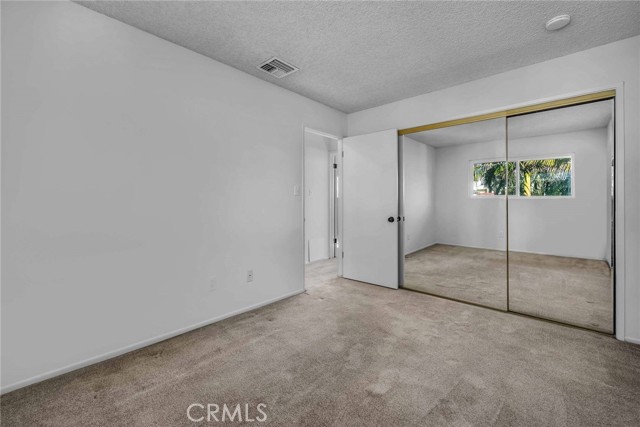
{"x":352,"y":354}
{"x":467,"y":274}
{"x":570,"y":290}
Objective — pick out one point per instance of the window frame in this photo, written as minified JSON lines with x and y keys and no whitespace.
{"x":517,"y":161}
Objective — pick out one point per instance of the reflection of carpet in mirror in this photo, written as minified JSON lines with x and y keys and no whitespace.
{"x":571,"y":290}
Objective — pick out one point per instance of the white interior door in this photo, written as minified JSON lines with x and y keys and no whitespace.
{"x":370,"y":208}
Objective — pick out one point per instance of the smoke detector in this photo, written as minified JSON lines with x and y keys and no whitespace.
{"x":277,"y":67}
{"x":558,"y":22}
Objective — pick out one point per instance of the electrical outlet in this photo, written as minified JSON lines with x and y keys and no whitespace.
{"x":212,"y":284}
{"x":249,"y":276}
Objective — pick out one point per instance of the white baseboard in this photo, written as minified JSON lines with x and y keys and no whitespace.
{"x":138,"y":345}
{"x":632,"y":340}
{"x":421,"y":248}
{"x":504,"y":249}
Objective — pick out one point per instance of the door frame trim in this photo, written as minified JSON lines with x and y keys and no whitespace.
{"x":401,"y":214}
{"x":333,"y":205}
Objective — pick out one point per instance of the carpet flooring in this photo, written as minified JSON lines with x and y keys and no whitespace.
{"x":569,"y":290}
{"x":467,"y":274}
{"x":351,"y":354}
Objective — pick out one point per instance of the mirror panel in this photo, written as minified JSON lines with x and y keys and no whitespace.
{"x":560,"y":217}
{"x":455,"y":186}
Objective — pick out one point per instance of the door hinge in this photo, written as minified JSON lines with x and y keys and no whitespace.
{"x":343,"y":154}
{"x":335,"y":166}
{"x":342,"y":254}
{"x":335,"y":240}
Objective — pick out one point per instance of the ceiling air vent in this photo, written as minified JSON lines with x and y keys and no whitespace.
{"x":277,"y":68}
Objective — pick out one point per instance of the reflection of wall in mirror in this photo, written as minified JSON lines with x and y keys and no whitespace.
{"x":419,"y":189}
{"x":575,"y":227}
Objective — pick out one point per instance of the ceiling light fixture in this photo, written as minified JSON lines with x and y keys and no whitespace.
{"x":558,"y":22}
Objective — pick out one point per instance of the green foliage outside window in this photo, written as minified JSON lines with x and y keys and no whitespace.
{"x":491,"y":178}
{"x":537,"y":177}
{"x":545,"y":177}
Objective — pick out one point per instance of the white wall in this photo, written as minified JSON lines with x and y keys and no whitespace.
{"x":461,"y":220}
{"x":601,"y":67}
{"x":573,"y":227}
{"x":419,"y":190}
{"x":316,"y":171}
{"x":133,"y":170}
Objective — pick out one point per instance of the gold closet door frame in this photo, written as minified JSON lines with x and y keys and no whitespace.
{"x":511,"y":112}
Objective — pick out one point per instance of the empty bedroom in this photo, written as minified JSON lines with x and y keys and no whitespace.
{"x":320,"y":213}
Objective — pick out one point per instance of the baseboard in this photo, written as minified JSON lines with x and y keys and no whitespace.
{"x":138,"y":345}
{"x":520,"y":252}
{"x":632,"y":340}
{"x":319,"y":260}
{"x":419,"y":249}
{"x":470,"y":246}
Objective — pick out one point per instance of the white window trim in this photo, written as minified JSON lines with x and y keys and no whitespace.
{"x":517,"y":161}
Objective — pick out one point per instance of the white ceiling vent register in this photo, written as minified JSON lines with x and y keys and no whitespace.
{"x":277,"y":67}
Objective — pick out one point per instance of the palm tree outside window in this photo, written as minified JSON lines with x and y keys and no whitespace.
{"x":545,"y":177}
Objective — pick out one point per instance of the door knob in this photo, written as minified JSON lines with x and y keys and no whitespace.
{"x":391,"y":219}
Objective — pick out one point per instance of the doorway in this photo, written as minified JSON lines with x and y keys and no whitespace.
{"x":321,"y":198}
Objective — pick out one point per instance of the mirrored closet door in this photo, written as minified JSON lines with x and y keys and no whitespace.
{"x":456,"y":180}
{"x":515,"y":210}
{"x":560,"y":217}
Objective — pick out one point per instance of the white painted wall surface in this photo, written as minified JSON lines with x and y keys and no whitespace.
{"x":316,"y":171}
{"x":133,"y":171}
{"x":461,"y":220}
{"x":572,"y":227}
{"x":419,"y":189}
{"x":601,"y":67}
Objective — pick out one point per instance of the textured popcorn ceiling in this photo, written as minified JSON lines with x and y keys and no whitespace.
{"x":358,"y":55}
